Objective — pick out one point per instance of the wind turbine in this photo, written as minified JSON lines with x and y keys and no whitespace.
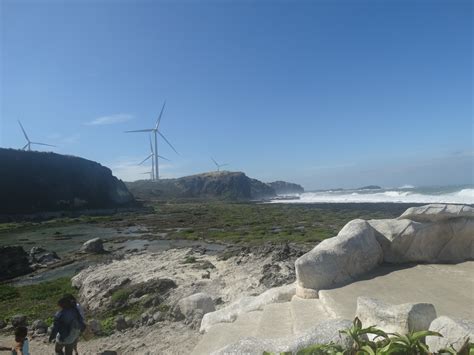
{"x":219,"y":166}
{"x":149,"y":172}
{"x":152,"y":155}
{"x":156,"y":132}
{"x":27,"y":146}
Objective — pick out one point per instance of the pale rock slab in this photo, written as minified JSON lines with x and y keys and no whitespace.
{"x":437,"y":212}
{"x":338,"y":260}
{"x":455,"y":333}
{"x":402,"y":318}
{"x":247,"y":304}
{"x":324,"y":333}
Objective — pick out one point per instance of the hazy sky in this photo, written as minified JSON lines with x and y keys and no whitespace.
{"x":324,"y":93}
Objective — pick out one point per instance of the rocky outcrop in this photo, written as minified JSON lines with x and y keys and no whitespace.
{"x":39,"y":255}
{"x":13,"y":262}
{"x":431,"y":233}
{"x":324,"y":333}
{"x":406,"y":241}
{"x":437,"y":213}
{"x":39,"y":182}
{"x":286,"y":188}
{"x":215,"y":185}
{"x":93,"y":246}
{"x":247,"y":304}
{"x":455,"y":333}
{"x":338,"y":260}
{"x":402,"y":318}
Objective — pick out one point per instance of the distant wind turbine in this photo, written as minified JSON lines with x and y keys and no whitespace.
{"x":27,"y":146}
{"x":152,"y":155}
{"x":149,"y":172}
{"x":156,"y":132}
{"x":219,"y":166}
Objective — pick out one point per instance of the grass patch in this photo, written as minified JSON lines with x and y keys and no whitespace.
{"x":253,"y":223}
{"x":34,"y":301}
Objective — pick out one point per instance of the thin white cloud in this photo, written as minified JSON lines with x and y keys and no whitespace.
{"x":111,"y":119}
{"x":127,"y":169}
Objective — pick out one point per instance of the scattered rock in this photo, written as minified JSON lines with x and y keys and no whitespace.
{"x":95,"y":327}
{"x":94,"y":246}
{"x":3,"y":324}
{"x":121,"y":323}
{"x":455,"y":333}
{"x":338,"y":260}
{"x":40,"y":255}
{"x":108,"y":352}
{"x":19,"y":320}
{"x":39,"y":326}
{"x":13,"y":262}
{"x":199,"y":301}
{"x":206,"y":275}
{"x":158,"y":316}
{"x":273,"y":277}
{"x":402,"y":318}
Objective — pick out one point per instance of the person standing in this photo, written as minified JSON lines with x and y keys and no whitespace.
{"x":21,"y":345}
{"x":67,"y":327}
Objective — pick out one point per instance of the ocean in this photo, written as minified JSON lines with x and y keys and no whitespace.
{"x":405,"y":194}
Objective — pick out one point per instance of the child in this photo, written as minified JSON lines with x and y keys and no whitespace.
{"x":21,"y":346}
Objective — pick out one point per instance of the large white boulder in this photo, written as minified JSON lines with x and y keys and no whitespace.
{"x":455,"y":333}
{"x":437,"y":212}
{"x":402,"y":318}
{"x":198,"y":301}
{"x":405,"y":241}
{"x":338,"y":260}
{"x":247,"y":304}
{"x":324,"y":333}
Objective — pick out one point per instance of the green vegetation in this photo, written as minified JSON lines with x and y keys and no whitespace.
{"x":253,"y":223}
{"x":383,"y":343}
{"x":34,"y":301}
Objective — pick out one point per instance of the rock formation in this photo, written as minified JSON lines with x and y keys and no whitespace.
{"x":432,"y":233}
{"x":215,"y":185}
{"x":40,"y":182}
{"x":286,"y":188}
{"x":13,"y":262}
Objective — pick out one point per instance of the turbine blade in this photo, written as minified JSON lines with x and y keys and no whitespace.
{"x":38,"y":143}
{"x":144,"y":160}
{"x":214,"y":161}
{"x":159,"y":117}
{"x":140,"y":130}
{"x":24,"y":133}
{"x":159,"y":156}
{"x":161,"y":134}
{"x":25,"y":146}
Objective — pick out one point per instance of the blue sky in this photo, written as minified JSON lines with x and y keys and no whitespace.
{"x":323,"y":93}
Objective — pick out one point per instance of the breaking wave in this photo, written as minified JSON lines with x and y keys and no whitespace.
{"x":463,"y":196}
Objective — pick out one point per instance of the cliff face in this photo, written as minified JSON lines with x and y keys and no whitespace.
{"x":39,"y":182}
{"x":284,"y":188}
{"x":219,"y":185}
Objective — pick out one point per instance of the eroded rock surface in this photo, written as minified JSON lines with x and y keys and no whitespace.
{"x":402,"y":318}
{"x":455,"y":333}
{"x":338,"y":260}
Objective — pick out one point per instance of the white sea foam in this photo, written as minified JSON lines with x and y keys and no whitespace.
{"x":464,"y":196}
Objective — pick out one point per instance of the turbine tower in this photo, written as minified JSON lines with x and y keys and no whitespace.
{"x":219,"y":166}
{"x":155,"y":130}
{"x":27,"y":146}
{"x":152,"y":156}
